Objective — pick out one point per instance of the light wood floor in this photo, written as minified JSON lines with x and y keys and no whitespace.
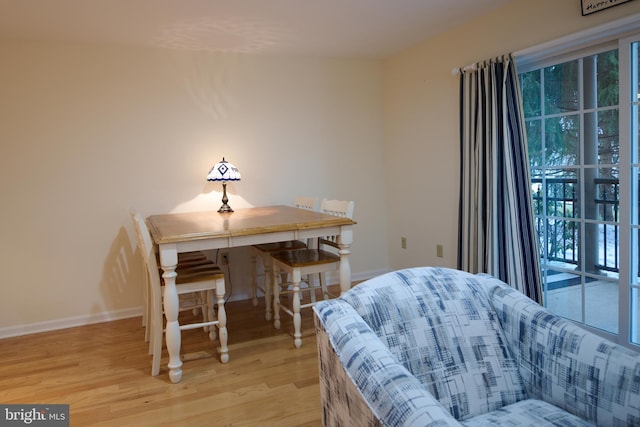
{"x":103,"y":372}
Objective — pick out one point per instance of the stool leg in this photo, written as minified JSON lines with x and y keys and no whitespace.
{"x":222,"y":321}
{"x":297,"y":319}
{"x":254,"y":278}
{"x":268,"y":286}
{"x":276,"y":296}
{"x":211,"y":315}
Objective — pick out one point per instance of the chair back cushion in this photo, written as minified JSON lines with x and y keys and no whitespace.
{"x":439,"y":324}
{"x":564,"y":364}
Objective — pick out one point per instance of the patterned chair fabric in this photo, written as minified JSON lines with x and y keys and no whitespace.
{"x":435,"y":346}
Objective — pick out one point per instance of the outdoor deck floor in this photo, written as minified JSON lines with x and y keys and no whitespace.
{"x":600,"y":301}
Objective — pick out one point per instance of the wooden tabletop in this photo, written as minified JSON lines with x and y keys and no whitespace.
{"x":171,"y":228}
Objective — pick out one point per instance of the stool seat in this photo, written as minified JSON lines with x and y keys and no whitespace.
{"x":281,"y":246}
{"x":306,"y":257}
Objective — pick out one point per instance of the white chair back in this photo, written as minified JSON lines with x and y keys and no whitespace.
{"x":341,"y":208}
{"x":148,"y":255}
{"x":308,"y":203}
{"x":145,"y":244}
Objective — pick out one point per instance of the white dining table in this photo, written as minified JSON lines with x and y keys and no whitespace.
{"x":184,"y":232}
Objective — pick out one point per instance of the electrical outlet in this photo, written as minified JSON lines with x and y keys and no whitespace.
{"x":225,"y":259}
{"x":403,"y":242}
{"x":439,"y":251}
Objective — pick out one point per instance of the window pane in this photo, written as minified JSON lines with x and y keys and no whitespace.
{"x":602,"y":205}
{"x":635,"y":149}
{"x":534,"y":142}
{"x":562,"y":242}
{"x":635,"y":196}
{"x":602,"y":194}
{"x":608,"y":88}
{"x":561,"y":88}
{"x":608,"y":137}
{"x":564,"y":294}
{"x":635,"y":47}
{"x":562,"y":193}
{"x":635,"y":315}
{"x":601,"y":137}
{"x":601,"y":304}
{"x":561,"y":140}
{"x":634,"y":322}
{"x":537,"y":192}
{"x":635,"y":99}
{"x":608,"y":250}
{"x":635,"y":255}
{"x":530,"y":83}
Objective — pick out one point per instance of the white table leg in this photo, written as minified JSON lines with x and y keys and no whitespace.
{"x":169,"y":260}
{"x":344,"y":243}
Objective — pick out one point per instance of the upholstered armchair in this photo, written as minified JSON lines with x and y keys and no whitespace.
{"x":436,"y":346}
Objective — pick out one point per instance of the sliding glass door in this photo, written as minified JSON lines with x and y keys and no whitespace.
{"x":581,"y":112}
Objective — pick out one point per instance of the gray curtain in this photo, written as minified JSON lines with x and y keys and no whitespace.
{"x":496,"y":232}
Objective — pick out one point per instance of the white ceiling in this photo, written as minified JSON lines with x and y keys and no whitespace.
{"x":343,"y":28}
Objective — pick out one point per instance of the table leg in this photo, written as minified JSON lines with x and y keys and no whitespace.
{"x":344,"y":243}
{"x":169,"y":260}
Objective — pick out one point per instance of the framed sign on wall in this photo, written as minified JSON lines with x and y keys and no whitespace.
{"x":591,"y":6}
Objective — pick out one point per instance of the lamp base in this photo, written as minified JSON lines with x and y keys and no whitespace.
{"x":225,"y":207}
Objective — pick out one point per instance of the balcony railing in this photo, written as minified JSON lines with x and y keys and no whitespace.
{"x":562,"y":226}
{"x":608,"y":202}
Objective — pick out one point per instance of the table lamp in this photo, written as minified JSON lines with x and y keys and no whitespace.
{"x":224,"y":171}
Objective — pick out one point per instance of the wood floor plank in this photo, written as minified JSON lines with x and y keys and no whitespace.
{"x":103,"y":372}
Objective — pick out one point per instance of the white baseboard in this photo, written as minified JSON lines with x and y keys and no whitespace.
{"x":108,"y":316}
{"x":334,"y":279}
{"x":69,"y":322}
{"x":366,"y":275}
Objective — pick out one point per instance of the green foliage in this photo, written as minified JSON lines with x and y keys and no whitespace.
{"x":551,"y":101}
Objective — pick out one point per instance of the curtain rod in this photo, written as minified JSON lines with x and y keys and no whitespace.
{"x":613,"y":28}
{"x":456,"y":71}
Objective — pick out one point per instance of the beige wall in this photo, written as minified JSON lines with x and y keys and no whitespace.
{"x":422,"y":118}
{"x":89,"y":131}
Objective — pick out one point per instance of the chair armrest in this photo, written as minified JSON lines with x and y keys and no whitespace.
{"x":361,"y":381}
{"x":567,"y":365}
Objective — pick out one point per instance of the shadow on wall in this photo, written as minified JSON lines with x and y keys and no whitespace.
{"x":122,"y":279}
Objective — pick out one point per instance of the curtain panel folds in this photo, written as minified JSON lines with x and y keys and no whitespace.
{"x":496,"y":231}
